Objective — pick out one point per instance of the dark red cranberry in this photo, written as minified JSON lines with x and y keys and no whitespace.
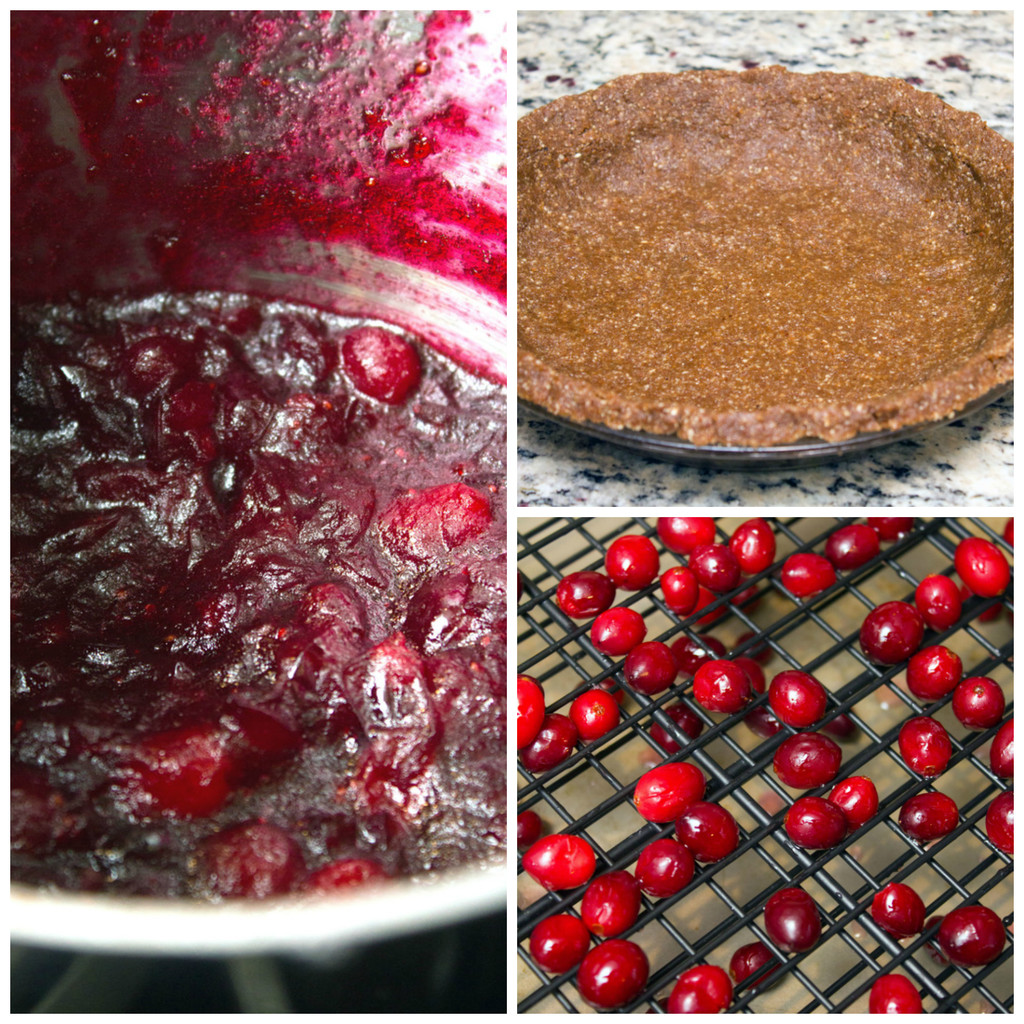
{"x":762,"y":721}
{"x":381,"y":364}
{"x":723,"y":686}
{"x":938,"y":600}
{"x":982,"y":567}
{"x":753,"y":544}
{"x":978,"y":702}
{"x":891,"y":527}
{"x":704,"y":598}
{"x":684,"y":533}
{"x":687,"y":721}
{"x":594,"y":714}
{"x":650,"y":667}
{"x":613,"y":974}
{"x":928,"y":816}
{"x":932,"y":945}
{"x":898,"y":910}
{"x":691,"y":654}
{"x":519,"y":585}
{"x":40,"y":818}
{"x":748,"y":960}
{"x":680,"y":589}
{"x":805,"y":574}
{"x":1001,"y":753}
{"x":254,"y":859}
{"x":528,"y":829}
{"x":807,"y":760}
{"x":611,"y":904}
{"x":925,"y":746}
{"x":664,"y":868}
{"x":715,"y":567}
{"x":857,"y":798}
{"x":851,"y":546}
{"x":560,"y":862}
{"x":933,"y":672}
{"x":792,"y":920}
{"x":894,"y":993}
{"x":999,"y":822}
{"x":842,"y":727}
{"x":349,"y":873}
{"x":972,"y":935}
{"x":815,"y":823}
{"x":617,"y":631}
{"x":702,"y":989}
{"x":708,"y":831}
{"x":553,"y":743}
{"x":1008,"y":531}
{"x":559,"y":943}
{"x":754,"y":672}
{"x":797,"y":699}
{"x":584,"y":594}
{"x":891,"y":632}
{"x":631,"y":562}
{"x":529,"y":710}
{"x":663,"y":793}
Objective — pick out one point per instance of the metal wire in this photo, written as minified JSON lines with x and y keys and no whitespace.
{"x":589,"y":794}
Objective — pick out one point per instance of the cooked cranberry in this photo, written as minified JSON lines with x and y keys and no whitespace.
{"x":687,"y":721}
{"x":762,"y":721}
{"x":938,"y":600}
{"x":560,"y":862}
{"x":612,"y":974}
{"x":594,"y":714}
{"x":691,"y":654}
{"x":851,"y":546}
{"x":559,"y":943}
{"x":807,"y":760}
{"x":421,"y":526}
{"x":664,"y":868}
{"x":797,"y":699}
{"x":805,"y":574}
{"x":857,"y":798}
{"x":928,"y":816}
{"x":529,"y":710}
{"x":999,"y":822}
{"x":715,"y":567}
{"x":254,"y":859}
{"x":683,"y":533}
{"x":1001,"y":753}
{"x":631,"y":562}
{"x":618,"y":630}
{"x":891,"y":632}
{"x":528,"y":829}
{"x":933,"y":672}
{"x":972,"y":935}
{"x":978,"y":702}
{"x":748,"y":960}
{"x":815,"y":823}
{"x":663,"y":793}
{"x":349,"y":873}
{"x":650,"y":667}
{"x":381,"y":364}
{"x":611,"y":904}
{"x":680,"y":589}
{"x":842,"y":727}
{"x":753,"y":544}
{"x":894,"y":993}
{"x":891,"y":527}
{"x":701,"y":989}
{"x":40,"y":817}
{"x":584,"y":594}
{"x":792,"y":920}
{"x":708,"y":831}
{"x":898,"y":910}
{"x":553,"y":743}
{"x":925,"y":746}
{"x":721,"y":685}
{"x":982,"y":567}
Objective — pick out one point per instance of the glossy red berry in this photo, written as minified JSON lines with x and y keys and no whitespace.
{"x":928,"y":816}
{"x":381,"y":364}
{"x":925,"y":746}
{"x":722,"y":686}
{"x":898,"y":910}
{"x":553,"y":743}
{"x":715,"y":567}
{"x":842,"y":728}
{"x":938,"y":600}
{"x":702,"y":989}
{"x":807,"y":760}
{"x":560,"y":862}
{"x":529,"y":710}
{"x":972,"y":935}
{"x":691,"y":654}
{"x":617,"y":631}
{"x":792,"y":920}
{"x":1001,"y":752}
{"x":797,"y":698}
{"x":748,"y":960}
{"x":891,"y":527}
{"x":753,"y":545}
{"x":978,"y":702}
{"x":933,"y":672}
{"x":761,"y":721}
{"x":584,"y":594}
{"x":650,"y":667}
{"x":815,"y":823}
{"x":612,"y":974}
{"x":254,"y":859}
{"x":982,"y":567}
{"x":857,"y":798}
{"x":687,"y":721}
{"x":851,"y":546}
{"x":594,"y":713}
{"x":708,"y":831}
{"x":805,"y":574}
{"x":1008,"y":531}
{"x":559,"y":943}
{"x":664,"y":868}
{"x":528,"y":829}
{"x":680,"y":589}
{"x":999,"y":822}
{"x":683,"y":533}
{"x":631,"y":562}
{"x":663,"y":793}
{"x":611,"y":904}
{"x":891,"y":632}
{"x":894,"y":993}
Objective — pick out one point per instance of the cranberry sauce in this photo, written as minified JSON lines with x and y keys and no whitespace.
{"x":258,"y":600}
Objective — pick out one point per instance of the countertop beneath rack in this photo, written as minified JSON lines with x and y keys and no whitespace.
{"x":965,"y":57}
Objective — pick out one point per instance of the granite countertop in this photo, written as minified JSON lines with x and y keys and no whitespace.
{"x":965,"y":57}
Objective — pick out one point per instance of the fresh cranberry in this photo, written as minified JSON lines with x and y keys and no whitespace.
{"x":349,"y":873}
{"x":381,"y":364}
{"x":894,"y":993}
{"x":584,"y":594}
{"x":972,"y":935}
{"x":805,"y":574}
{"x":704,"y":598}
{"x":753,"y":544}
{"x":842,"y":727}
{"x":978,"y":702}
{"x":1008,"y":531}
{"x":748,"y":960}
{"x":715,"y":567}
{"x":553,"y":743}
{"x":612,"y":974}
{"x":891,"y":632}
{"x":815,"y":823}
{"x":851,"y":546}
{"x":528,"y":829}
{"x":933,"y":672}
{"x":663,"y":793}
{"x":702,"y":989}
{"x":807,"y":760}
{"x":891,"y":527}
{"x":680,"y":589}
{"x":254,"y":859}
{"x":611,"y":904}
{"x":594,"y":714}
{"x":898,"y":910}
{"x":559,"y":943}
{"x":762,"y":721}
{"x":691,"y":654}
{"x":938,"y":600}
{"x":792,"y":920}
{"x":754,"y":672}
{"x":857,"y":798}
{"x":999,"y":822}
{"x":708,"y":831}
{"x":687,"y":721}
{"x":618,"y":630}
{"x":723,"y":686}
{"x":684,"y":533}
{"x":650,"y":667}
{"x":982,"y":567}
{"x":664,"y":868}
{"x":925,"y":746}
{"x":529,"y":710}
{"x":1001,"y":753}
{"x":928,"y":816}
{"x":560,"y":862}
{"x":932,"y":945}
{"x":797,"y":699}
{"x":631,"y":562}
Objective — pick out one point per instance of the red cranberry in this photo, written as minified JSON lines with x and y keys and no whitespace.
{"x":815,"y":823}
{"x":553,"y":743}
{"x":891,"y":632}
{"x":971,"y":936}
{"x":891,"y":527}
{"x":753,"y":545}
{"x":805,"y":574}
{"x":519,"y":585}
{"x":715,"y":567}
{"x":797,"y":699}
{"x":978,"y":702}
{"x":925,"y":746}
{"x":929,"y":816}
{"x":851,"y":546}
{"x":721,"y":685}
{"x":687,"y":721}
{"x":1008,"y":531}
{"x":631,"y":562}
{"x":857,"y":798}
{"x":560,"y":862}
{"x":754,"y":672}
{"x":1001,"y":754}
{"x":680,"y":589}
{"x":254,"y":859}
{"x":708,"y":831}
{"x":999,"y":822}
{"x":594,"y":714}
{"x":618,"y":630}
{"x":894,"y":993}
{"x":559,"y":943}
{"x":683,"y":533}
{"x":792,"y":920}
{"x":761,"y":721}
{"x":898,"y":910}
{"x":423,"y":526}
{"x":528,"y":829}
{"x":704,"y":598}
{"x":381,"y":364}
{"x":349,"y":873}
{"x":933,"y":672}
{"x":938,"y":600}
{"x":664,"y":868}
{"x":691,"y":654}
{"x":529,"y":710}
{"x":584,"y":594}
{"x":650,"y":667}
{"x":663,"y":793}
{"x":807,"y":760}
{"x":613,"y":974}
{"x":842,"y":727}
{"x":748,"y":960}
{"x":701,"y":989}
{"x":611,"y":904}
{"x":932,"y":946}
{"x":982,"y":567}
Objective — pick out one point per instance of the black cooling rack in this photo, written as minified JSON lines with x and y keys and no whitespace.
{"x":589,"y":794}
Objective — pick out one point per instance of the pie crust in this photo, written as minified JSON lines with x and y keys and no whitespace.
{"x":753,"y":258}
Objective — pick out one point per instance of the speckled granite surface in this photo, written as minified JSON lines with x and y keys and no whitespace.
{"x":965,"y":57}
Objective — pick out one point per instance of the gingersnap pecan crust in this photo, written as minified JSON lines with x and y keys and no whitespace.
{"x":759,"y":257}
